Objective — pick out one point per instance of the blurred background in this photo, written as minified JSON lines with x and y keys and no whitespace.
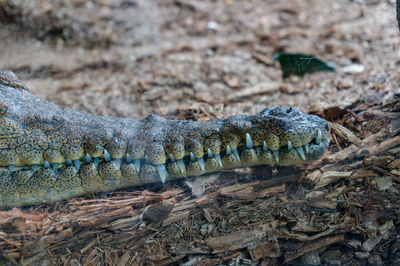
{"x":135,"y":57}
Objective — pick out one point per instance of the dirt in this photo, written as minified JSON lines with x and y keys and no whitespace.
{"x":206,"y":59}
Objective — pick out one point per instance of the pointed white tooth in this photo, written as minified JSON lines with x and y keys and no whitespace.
{"x":12,"y":168}
{"x":202,"y":165}
{"x":137,"y":165}
{"x":162,"y":171}
{"x":36,"y":167}
{"x":276,"y":155}
{"x":249,"y":141}
{"x":326,"y":141}
{"x":265,"y":147}
{"x":235,"y":152}
{"x":301,"y":152}
{"x":77,"y":164}
{"x":46,"y":164}
{"x":307,"y":148}
{"x":181,"y":166}
{"x":56,"y":166}
{"x":96,"y":161}
{"x":289,"y":145}
{"x":210,"y":153}
{"x":107,"y":156}
{"x":88,"y":159}
{"x":228,"y":150}
{"x":258,"y":151}
{"x":118,"y":162}
{"x":218,"y":157}
{"x":319,"y":136}
{"x":192,"y":157}
{"x":172,"y":158}
{"x":69,"y":162}
{"x":128,"y":158}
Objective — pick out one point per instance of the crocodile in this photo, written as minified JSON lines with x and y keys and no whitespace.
{"x":49,"y":153}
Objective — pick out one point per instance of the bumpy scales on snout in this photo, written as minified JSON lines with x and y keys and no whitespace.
{"x":48,"y":153}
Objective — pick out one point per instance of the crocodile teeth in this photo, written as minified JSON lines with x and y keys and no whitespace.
{"x":228,"y":150}
{"x":218,"y":157}
{"x":88,"y":159}
{"x":107,"y":156}
{"x":77,"y":164}
{"x":326,"y":141}
{"x":301,"y":152}
{"x":96,"y":162}
{"x":128,"y":158}
{"x":36,"y":167}
{"x":192,"y":157}
{"x":118,"y":162}
{"x":202,"y":165}
{"x":319,"y":136}
{"x":307,"y":148}
{"x":181,"y":166}
{"x":235,"y":152}
{"x":258,"y":151}
{"x":265,"y":147}
{"x":137,"y":165}
{"x":172,"y":158}
{"x":249,"y":141}
{"x":11,"y":168}
{"x":210,"y":153}
{"x":56,"y":166}
{"x":69,"y":162}
{"x":46,"y":164}
{"x":162,"y":171}
{"x":289,"y":145}
{"x":276,"y":155}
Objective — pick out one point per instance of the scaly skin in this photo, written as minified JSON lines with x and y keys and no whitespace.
{"x":48,"y":153}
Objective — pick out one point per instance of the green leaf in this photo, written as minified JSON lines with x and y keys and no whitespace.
{"x":300,"y":64}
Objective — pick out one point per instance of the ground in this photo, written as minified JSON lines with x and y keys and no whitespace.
{"x":211,"y":59}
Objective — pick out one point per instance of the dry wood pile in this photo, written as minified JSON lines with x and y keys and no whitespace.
{"x":342,"y":209}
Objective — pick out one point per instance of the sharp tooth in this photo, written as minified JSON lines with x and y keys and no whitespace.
{"x":249,"y":141}
{"x":218,"y":157}
{"x":172,"y":158}
{"x":276,"y":155}
{"x":107,"y":156}
{"x":258,"y":151}
{"x":128,"y":158}
{"x":301,"y":152}
{"x":36,"y":167}
{"x":181,"y":166}
{"x":228,"y":150}
{"x":77,"y":164}
{"x":11,"y":168}
{"x":96,"y":161}
{"x":88,"y":159}
{"x":118,"y":162}
{"x":202,"y":165}
{"x":137,"y":165}
{"x":192,"y":157}
{"x":69,"y":162}
{"x":319,"y":136}
{"x":56,"y":166}
{"x":307,"y":148}
{"x":235,"y":152}
{"x":326,"y":141}
{"x":289,"y":145}
{"x":162,"y":171}
{"x":210,"y":153}
{"x":265,"y":147}
{"x":46,"y":164}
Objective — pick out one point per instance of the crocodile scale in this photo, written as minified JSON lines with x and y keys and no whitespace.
{"x":48,"y":153}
